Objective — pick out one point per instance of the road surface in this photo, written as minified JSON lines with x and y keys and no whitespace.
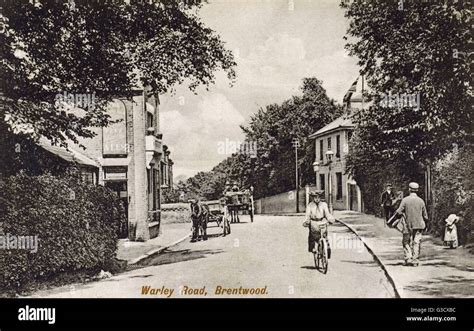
{"x":264,"y":259}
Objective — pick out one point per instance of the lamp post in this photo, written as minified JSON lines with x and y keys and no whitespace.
{"x":296,"y":144}
{"x":329,"y":155}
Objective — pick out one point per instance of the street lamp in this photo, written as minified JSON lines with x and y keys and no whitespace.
{"x":296,"y":144}
{"x":316,"y":170}
{"x":316,"y":166}
{"x":329,"y":155}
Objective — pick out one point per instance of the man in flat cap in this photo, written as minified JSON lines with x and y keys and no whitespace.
{"x":386,"y":202}
{"x":414,"y":209}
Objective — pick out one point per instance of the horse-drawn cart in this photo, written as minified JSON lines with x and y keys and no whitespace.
{"x":239,"y":201}
{"x":225,"y":210}
{"x":218,"y":213}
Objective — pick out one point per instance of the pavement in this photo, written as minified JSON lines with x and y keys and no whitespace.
{"x":264,"y":259}
{"x":170,"y":234}
{"x":442,"y":273}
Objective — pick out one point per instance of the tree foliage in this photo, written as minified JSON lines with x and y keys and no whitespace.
{"x":103,"y":47}
{"x":413,"y":48}
{"x":272,"y":130}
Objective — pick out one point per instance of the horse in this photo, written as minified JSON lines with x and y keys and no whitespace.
{"x":234,"y":214}
{"x":200,"y":218}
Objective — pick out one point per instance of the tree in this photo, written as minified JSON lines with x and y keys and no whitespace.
{"x":411,"y":48}
{"x":106,"y":48}
{"x":271,"y":130}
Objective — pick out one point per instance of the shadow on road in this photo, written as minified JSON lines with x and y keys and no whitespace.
{"x":371,"y":263}
{"x":309,"y":267}
{"x":456,"y":286}
{"x":169,"y":257}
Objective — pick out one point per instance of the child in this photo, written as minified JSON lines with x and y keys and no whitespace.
{"x":451,"y":232}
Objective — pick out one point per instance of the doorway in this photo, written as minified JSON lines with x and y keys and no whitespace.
{"x":120,"y":188}
{"x":353,"y":204}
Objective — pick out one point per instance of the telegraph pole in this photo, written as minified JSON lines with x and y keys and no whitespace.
{"x":296,"y":144}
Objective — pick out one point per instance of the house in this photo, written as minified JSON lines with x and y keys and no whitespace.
{"x":335,"y":137}
{"x":129,"y":157}
{"x":61,"y":158}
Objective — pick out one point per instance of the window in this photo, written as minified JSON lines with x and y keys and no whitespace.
{"x":321,"y":147}
{"x":339,"y":186}
{"x":156,"y":192}
{"x":149,"y":120}
{"x":349,"y":135}
{"x":149,"y":180}
{"x":322,"y":182}
{"x":163,"y":173}
{"x":87,"y":177}
{"x":329,"y":143}
{"x":338,"y":146}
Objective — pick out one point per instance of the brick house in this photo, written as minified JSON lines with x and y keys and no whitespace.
{"x":128,"y":157}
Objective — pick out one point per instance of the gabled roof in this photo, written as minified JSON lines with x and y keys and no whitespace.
{"x":68,"y":155}
{"x":343,"y":122}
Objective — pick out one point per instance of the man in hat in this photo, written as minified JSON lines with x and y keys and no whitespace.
{"x":317,"y":215}
{"x":386,"y":201}
{"x":414,"y":209}
{"x":227,"y":187}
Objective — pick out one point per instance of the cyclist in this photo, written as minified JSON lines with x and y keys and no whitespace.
{"x":317,"y":216}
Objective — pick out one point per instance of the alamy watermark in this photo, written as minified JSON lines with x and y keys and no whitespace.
{"x":13,"y":242}
{"x":229,"y":147}
{"x":344,"y":242}
{"x":79,"y":100}
{"x":389,"y":100}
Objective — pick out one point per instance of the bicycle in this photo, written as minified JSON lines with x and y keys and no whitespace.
{"x":321,"y":255}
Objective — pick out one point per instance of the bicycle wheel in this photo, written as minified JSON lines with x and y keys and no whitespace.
{"x":323,"y":253}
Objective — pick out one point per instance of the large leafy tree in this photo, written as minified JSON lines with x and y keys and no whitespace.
{"x":101,"y":47}
{"x":272,"y":130}
{"x":275,"y":127}
{"x":414,"y":48}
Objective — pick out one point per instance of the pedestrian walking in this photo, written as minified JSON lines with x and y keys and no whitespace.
{"x":414,"y":210}
{"x":387,"y":201}
{"x":450,"y":231}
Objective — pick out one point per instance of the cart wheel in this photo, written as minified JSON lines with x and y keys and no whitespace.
{"x":225,"y":225}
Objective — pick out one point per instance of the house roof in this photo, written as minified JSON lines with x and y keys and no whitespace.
{"x":343,"y":122}
{"x":68,"y":155}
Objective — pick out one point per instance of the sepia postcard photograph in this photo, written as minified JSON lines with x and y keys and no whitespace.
{"x":237,"y":149}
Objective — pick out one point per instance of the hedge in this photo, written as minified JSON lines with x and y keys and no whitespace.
{"x":76,"y":224}
{"x":453,"y":189}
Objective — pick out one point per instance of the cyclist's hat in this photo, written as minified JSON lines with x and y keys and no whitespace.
{"x":319,"y":193}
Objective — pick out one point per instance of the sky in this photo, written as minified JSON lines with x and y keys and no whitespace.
{"x":276,"y":43}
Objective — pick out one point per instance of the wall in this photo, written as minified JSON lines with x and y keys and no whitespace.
{"x":281,"y":203}
{"x":175,"y":213}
